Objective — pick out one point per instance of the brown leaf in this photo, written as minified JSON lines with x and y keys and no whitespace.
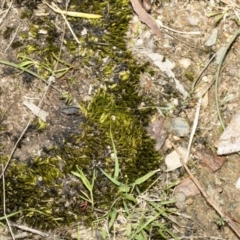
{"x":188,"y":187}
{"x":208,"y":159}
{"x":157,"y":131}
{"x":146,"y":18}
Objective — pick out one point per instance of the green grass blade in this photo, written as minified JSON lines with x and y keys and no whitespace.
{"x":129,"y":197}
{"x":10,"y":215}
{"x":124,"y":188}
{"x":126,"y":208}
{"x":83,"y":178}
{"x":72,"y":14}
{"x":116,"y":169}
{"x":171,"y":234}
{"x":28,"y":71}
{"x":144,"y":225}
{"x":113,"y":216}
{"x":162,"y":234}
{"x":80,"y":14}
{"x":116,"y":182}
{"x":129,"y":229}
{"x":25,"y":64}
{"x":85,"y":199}
{"x":140,"y":237}
{"x":93,"y":178}
{"x":171,"y":185}
{"x":145,"y":177}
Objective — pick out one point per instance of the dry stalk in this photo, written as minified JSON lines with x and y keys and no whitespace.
{"x":4,"y":207}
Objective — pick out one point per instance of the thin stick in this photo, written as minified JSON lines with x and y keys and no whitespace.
{"x":28,"y":229}
{"x":203,"y":70}
{"x":6,"y":12}
{"x":146,"y":18}
{"x":176,"y":31}
{"x":15,"y":146}
{"x":194,"y":127}
{"x":4,"y":207}
{"x":14,"y":35}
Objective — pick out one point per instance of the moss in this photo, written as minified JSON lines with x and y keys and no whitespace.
{"x":189,"y":75}
{"x":43,"y":187}
{"x":7,"y":32}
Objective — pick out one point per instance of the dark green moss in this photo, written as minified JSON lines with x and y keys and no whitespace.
{"x":7,"y":32}
{"x":44,"y":188}
{"x":189,"y":75}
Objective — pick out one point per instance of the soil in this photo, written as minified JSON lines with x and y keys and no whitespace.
{"x":195,"y":218}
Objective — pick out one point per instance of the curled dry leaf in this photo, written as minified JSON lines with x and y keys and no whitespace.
{"x":173,"y":161}
{"x":188,"y":187}
{"x":157,"y":131}
{"x":229,"y":141}
{"x":36,"y":110}
{"x":208,"y":159}
{"x":145,"y":17}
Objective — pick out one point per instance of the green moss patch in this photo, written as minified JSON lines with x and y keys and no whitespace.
{"x":43,"y":189}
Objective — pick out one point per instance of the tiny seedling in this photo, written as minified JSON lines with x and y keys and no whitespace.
{"x":41,"y":125}
{"x":220,"y":221}
{"x":88,"y":197}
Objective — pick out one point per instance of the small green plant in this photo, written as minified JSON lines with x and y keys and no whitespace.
{"x":67,"y":97}
{"x":229,"y":11}
{"x":220,"y":221}
{"x":45,"y":68}
{"x":88,"y":197}
{"x":41,"y":125}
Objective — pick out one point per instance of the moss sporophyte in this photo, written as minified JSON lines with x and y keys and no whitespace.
{"x":43,"y":188}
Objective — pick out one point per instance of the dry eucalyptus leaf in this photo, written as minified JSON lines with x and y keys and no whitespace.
{"x":157,"y":131}
{"x":36,"y":110}
{"x":229,"y":141}
{"x":208,"y":159}
{"x":188,"y":187}
{"x":172,"y":160}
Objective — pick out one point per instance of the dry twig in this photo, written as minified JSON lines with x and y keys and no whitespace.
{"x":4,"y":207}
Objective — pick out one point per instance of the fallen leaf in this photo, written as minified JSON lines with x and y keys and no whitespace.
{"x":208,"y":159}
{"x":178,"y":126}
{"x":172,"y":160}
{"x":188,"y":187}
{"x":157,"y":130}
{"x":36,"y":110}
{"x":146,"y":18}
{"x":229,"y":141}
